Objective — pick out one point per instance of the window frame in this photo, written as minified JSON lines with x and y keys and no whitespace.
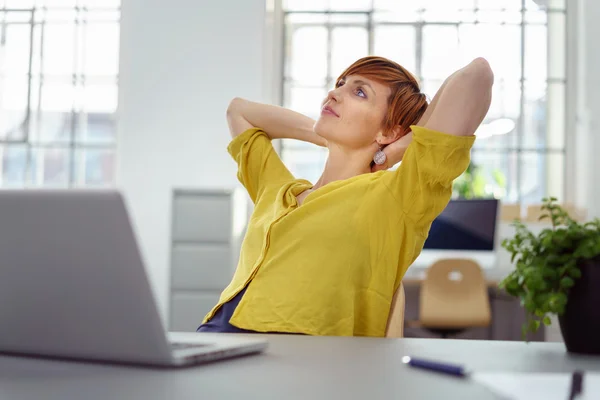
{"x":278,"y":18}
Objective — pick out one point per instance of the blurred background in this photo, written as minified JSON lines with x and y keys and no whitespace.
{"x":133,"y":93}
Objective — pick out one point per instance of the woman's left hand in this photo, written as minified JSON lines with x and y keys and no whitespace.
{"x":394,"y":152}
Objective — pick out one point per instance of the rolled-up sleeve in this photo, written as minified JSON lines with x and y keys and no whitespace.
{"x":422,"y":184}
{"x":258,"y":163}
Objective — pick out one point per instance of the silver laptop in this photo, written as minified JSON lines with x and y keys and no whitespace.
{"x":73,"y":285}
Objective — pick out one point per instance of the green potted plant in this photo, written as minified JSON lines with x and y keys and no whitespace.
{"x":557,"y":272}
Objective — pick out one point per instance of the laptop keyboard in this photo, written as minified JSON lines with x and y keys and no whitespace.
{"x":180,"y":346}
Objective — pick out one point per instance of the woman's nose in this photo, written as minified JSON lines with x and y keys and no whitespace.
{"x":333,"y":94}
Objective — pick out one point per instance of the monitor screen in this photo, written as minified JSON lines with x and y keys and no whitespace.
{"x":465,"y":225}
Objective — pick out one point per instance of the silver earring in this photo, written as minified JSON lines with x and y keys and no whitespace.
{"x":379,"y":157}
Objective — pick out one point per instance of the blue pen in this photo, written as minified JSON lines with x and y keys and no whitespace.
{"x":436,"y":366}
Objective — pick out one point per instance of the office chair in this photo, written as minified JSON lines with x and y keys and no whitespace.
{"x":453,"y":298}
{"x":395,"y":324}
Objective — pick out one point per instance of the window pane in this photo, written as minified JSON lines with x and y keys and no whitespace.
{"x":536,"y":52}
{"x":499,"y":5}
{"x":100,"y":98}
{"x":499,"y":17}
{"x":102,"y":49}
{"x":532,"y":185}
{"x":398,"y":43}
{"x":23,"y":16}
{"x":19,"y":3}
{"x":57,"y":96}
{"x":395,"y":5}
{"x":499,"y":44}
{"x":100,"y":3}
{"x":59,"y":3}
{"x":306,"y":100}
{"x":305,"y":164}
{"x":394,"y":10}
{"x":308,"y":61}
{"x":490,"y":175}
{"x":53,"y":166}
{"x":347,"y":46}
{"x":448,"y":15}
{"x":13,"y":107}
{"x":506,"y":98}
{"x":305,"y":5}
{"x":104,"y":15}
{"x":96,"y":128}
{"x":556,"y":45}
{"x":430,"y":87}
{"x":96,"y":166}
{"x":541,"y":174}
{"x":350,"y":5}
{"x":496,"y":133}
{"x":535,"y":115}
{"x":440,"y":51}
{"x":14,"y":165}
{"x":449,"y":11}
{"x":58,"y":49}
{"x":51,"y":127}
{"x":16,"y":51}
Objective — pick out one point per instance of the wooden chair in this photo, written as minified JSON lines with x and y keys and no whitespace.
{"x":453,"y":298}
{"x":534,"y":211}
{"x":395,"y":324}
{"x":510,"y":211}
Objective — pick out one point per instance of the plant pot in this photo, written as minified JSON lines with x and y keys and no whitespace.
{"x":580,"y":323}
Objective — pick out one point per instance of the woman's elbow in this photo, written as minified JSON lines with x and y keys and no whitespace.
{"x":235,"y":106}
{"x":235,"y":117}
{"x":480,"y":73}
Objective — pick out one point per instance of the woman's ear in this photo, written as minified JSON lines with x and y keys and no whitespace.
{"x":392,"y":136}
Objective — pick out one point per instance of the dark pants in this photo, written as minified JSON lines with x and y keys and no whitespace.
{"x":220,"y":321}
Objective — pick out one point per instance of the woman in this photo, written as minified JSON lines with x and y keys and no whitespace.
{"x":326,"y":259}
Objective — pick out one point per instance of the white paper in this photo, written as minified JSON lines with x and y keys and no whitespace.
{"x":532,"y":386}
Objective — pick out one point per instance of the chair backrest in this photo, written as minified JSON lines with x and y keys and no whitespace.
{"x":454,"y":295}
{"x":395,"y":324}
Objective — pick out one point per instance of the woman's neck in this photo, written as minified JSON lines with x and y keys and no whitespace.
{"x":344,"y":164}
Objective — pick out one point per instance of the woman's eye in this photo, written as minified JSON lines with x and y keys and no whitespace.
{"x":361,"y":92}
{"x":340,"y":83}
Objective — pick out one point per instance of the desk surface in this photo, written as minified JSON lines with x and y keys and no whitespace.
{"x":294,"y":367}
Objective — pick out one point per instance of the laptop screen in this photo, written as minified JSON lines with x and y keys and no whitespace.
{"x":465,"y":225}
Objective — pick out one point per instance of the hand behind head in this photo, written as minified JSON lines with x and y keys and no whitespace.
{"x":394,"y":152}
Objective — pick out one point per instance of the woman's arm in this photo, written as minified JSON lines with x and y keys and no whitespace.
{"x":277,"y":122}
{"x":462,"y":102}
{"x":457,"y":108}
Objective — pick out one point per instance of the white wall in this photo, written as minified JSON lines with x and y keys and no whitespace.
{"x":590,"y":109}
{"x":181,"y":61}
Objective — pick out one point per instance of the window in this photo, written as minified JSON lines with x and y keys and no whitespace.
{"x":520,"y":151}
{"x":58,"y":92}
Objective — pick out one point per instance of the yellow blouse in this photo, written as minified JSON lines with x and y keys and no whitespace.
{"x":331,"y":265}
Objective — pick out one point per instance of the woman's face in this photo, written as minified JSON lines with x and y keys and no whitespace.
{"x":353,"y":113}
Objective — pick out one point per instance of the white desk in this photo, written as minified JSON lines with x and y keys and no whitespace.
{"x":493,"y":276}
{"x":294,"y":367}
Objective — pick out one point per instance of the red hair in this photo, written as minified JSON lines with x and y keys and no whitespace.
{"x":406,"y":102}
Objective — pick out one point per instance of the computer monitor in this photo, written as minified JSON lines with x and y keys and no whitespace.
{"x":465,"y":229}
{"x":468,"y":225}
